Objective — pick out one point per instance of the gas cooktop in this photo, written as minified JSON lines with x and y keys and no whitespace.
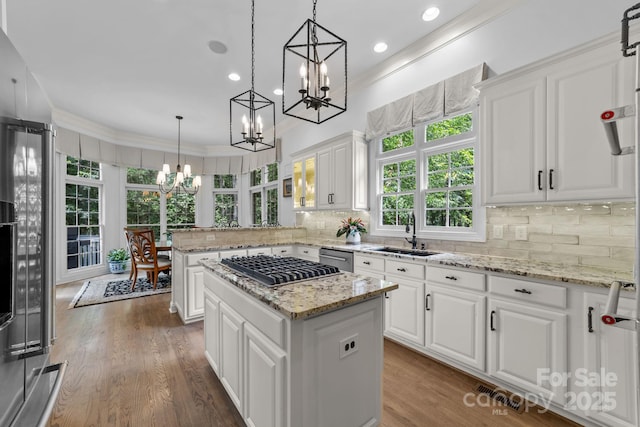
{"x":273,"y":271}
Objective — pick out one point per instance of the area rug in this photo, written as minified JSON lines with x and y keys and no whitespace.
{"x":108,"y":290}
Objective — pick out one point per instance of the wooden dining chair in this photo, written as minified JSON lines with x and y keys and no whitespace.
{"x":144,"y":256}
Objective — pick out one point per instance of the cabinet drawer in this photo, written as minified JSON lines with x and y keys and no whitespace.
{"x":456,"y":278}
{"x":308,"y":252}
{"x":369,"y":263}
{"x":555,"y":296}
{"x":402,"y":269}
{"x":193,"y":259}
{"x":259,"y":251}
{"x":283,"y":250}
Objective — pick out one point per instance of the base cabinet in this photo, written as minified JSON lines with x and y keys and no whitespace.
{"x":405,"y":311}
{"x":195,"y":293}
{"x":524,"y":343}
{"x":455,"y":325}
{"x":608,"y":398}
{"x":231,"y":331}
{"x":212,"y":330}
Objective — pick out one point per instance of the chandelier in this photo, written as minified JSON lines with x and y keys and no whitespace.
{"x":254,"y":112}
{"x":182,"y":179}
{"x":309,"y":93}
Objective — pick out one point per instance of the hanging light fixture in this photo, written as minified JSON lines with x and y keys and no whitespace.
{"x":309,"y":93}
{"x":181,"y":180}
{"x":253,"y":112}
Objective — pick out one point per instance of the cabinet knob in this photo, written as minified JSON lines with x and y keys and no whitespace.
{"x":366,"y":262}
{"x":402,"y":269}
{"x":523,"y":291}
{"x":451,"y":277}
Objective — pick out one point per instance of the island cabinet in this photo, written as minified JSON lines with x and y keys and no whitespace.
{"x":528,"y":335}
{"x":608,"y":377}
{"x":288,"y":370}
{"x":187,"y":284}
{"x":547,"y":115}
{"x":340,"y":173}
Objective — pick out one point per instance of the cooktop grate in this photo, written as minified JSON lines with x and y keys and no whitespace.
{"x":273,"y":271}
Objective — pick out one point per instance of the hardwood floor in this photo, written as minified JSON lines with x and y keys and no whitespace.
{"x":132,"y":363}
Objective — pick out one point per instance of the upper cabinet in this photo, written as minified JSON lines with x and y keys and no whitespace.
{"x":542,"y":138}
{"x":339,"y":180}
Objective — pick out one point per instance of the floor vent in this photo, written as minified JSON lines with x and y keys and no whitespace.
{"x":510,"y":400}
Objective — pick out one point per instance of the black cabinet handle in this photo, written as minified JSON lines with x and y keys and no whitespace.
{"x":402,"y":269}
{"x":426,"y":302}
{"x":366,"y":262}
{"x":590,"y":319}
{"x":493,"y":313}
{"x":523,"y":291}
{"x":306,"y":252}
{"x":386,"y":296}
{"x":551,"y":179}
{"x":451,"y":277}
{"x":540,"y":180}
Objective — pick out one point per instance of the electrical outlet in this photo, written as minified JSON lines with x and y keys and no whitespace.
{"x":497,"y":232}
{"x":521,"y":232}
{"x":348,"y":346}
{"x":211,"y":237}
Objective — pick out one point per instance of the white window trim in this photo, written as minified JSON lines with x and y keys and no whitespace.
{"x":262,"y":188}
{"x":419,"y":151}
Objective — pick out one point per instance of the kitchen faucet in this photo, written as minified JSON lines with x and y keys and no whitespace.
{"x":414,"y":240}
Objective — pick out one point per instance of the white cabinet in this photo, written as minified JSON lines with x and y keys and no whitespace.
{"x":524,"y":342}
{"x":187,"y":284}
{"x":283,"y":250}
{"x":230,"y":373}
{"x":264,"y":380}
{"x":405,"y":310}
{"x":310,"y":253}
{"x":547,"y":116}
{"x":455,"y":317}
{"x":610,"y":354}
{"x":304,"y":182}
{"x":212,"y":330}
{"x":340,"y":173}
{"x":259,"y":251}
{"x":195,"y":291}
{"x":233,"y":252}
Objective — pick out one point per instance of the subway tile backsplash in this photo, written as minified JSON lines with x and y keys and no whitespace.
{"x":598,"y":235}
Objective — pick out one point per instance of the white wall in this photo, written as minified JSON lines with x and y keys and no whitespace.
{"x":531,"y":31}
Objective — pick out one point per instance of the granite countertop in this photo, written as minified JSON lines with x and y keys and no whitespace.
{"x":308,"y":297}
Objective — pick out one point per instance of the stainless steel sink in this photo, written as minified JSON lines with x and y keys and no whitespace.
{"x":412,"y":252}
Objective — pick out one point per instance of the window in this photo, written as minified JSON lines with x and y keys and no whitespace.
{"x":82,"y":213}
{"x":433,"y":177}
{"x":147,"y":207}
{"x":264,"y":195}
{"x":225,"y":200}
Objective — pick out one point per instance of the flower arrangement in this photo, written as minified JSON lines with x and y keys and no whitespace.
{"x":351,"y":225}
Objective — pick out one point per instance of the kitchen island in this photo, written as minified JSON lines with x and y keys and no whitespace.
{"x":308,"y":353}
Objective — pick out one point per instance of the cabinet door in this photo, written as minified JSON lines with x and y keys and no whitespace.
{"x":212,"y":330}
{"x":404,"y":310}
{"x":325,"y":179}
{"x":609,"y":351}
{"x":341,"y":176}
{"x":455,"y":325}
{"x":177,"y":284}
{"x":195,"y":292}
{"x":298,"y":183}
{"x":526,"y":342}
{"x":579,"y":161}
{"x":231,"y":326}
{"x":304,"y":183}
{"x":513,"y":141}
{"x":264,"y":380}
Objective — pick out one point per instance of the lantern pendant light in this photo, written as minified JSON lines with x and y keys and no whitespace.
{"x":251,"y":113}
{"x":312,"y":55}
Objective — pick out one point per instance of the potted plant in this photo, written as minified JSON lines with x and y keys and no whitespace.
{"x":352,"y":227}
{"x":118,"y":260}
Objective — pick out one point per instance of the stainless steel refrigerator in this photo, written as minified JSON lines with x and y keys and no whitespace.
{"x":28,"y":382}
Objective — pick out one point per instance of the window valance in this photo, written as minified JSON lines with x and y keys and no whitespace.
{"x":90,"y":148}
{"x":444,"y":98}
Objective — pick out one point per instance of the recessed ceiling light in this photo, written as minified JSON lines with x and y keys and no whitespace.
{"x":431,"y":14}
{"x":217,"y":47}
{"x":380,"y":47}
{"x":278,"y":91}
{"x":234,"y":76}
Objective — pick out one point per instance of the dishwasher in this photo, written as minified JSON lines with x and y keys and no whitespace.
{"x":337,"y":258}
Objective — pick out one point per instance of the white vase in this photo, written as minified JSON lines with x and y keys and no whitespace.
{"x":353,"y":237}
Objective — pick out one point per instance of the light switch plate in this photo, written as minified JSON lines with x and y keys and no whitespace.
{"x":498,"y":232}
{"x":521,"y":232}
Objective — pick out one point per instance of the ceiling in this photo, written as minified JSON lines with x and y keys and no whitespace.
{"x":132,"y":66}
